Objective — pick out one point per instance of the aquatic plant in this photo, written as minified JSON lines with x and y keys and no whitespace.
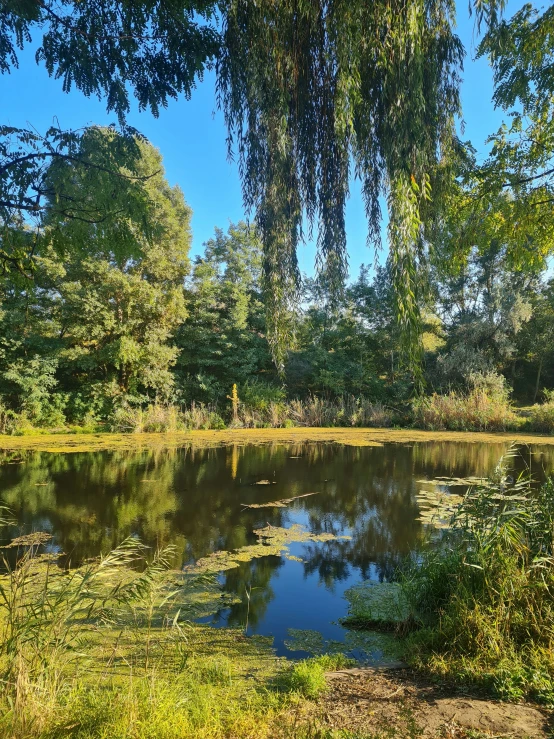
{"x":485,"y":598}
{"x":272,"y":541}
{"x":379,"y":606}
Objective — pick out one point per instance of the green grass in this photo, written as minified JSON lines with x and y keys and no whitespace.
{"x":109,"y":651}
{"x":307,"y":678}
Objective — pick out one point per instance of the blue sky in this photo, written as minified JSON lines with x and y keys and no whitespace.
{"x":191,"y":137}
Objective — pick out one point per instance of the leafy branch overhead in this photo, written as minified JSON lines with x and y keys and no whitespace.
{"x":312,"y":93}
{"x":37,"y":185}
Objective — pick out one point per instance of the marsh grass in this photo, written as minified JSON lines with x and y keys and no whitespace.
{"x":55,"y":623}
{"x":485,"y":598}
{"x":541,"y":417}
{"x":477,"y":410}
{"x":109,"y":650}
{"x":251,"y":411}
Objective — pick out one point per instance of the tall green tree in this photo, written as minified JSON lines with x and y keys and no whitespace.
{"x":107,"y":296}
{"x":509,"y":198}
{"x":306,"y":88}
{"x":224,"y":339}
{"x":120,"y":305}
{"x":521,"y":165}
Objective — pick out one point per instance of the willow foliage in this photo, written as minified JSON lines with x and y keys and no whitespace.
{"x":312,"y":90}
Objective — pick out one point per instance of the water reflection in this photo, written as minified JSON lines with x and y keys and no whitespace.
{"x":192,"y":498}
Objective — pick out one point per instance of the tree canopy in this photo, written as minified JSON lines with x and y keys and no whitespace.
{"x":310,"y":91}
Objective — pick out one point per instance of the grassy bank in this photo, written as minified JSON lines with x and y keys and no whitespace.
{"x":110,"y":650}
{"x":479,"y":409}
{"x":482,"y":604}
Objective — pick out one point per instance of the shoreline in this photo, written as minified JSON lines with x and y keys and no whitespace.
{"x":357,"y":437}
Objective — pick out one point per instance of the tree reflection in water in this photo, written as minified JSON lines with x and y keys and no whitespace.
{"x":193,"y":498}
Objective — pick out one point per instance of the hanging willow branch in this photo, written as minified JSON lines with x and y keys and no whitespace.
{"x":310,"y":87}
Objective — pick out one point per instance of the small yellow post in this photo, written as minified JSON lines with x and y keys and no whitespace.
{"x":235,"y":401}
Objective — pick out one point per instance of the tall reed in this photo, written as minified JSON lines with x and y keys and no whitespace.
{"x":485,"y":597}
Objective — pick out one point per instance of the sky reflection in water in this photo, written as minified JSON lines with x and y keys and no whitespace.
{"x":193,"y":499}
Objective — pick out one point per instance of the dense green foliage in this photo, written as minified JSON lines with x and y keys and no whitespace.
{"x":102,"y":321}
{"x":308,"y":89}
{"x":484,"y":598}
{"x":114,"y":327}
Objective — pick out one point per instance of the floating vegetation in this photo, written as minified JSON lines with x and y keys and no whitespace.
{"x":359,"y":442}
{"x":454,"y":481}
{"x":272,"y":541}
{"x":437,"y":507}
{"x":311,"y":641}
{"x":200,"y":439}
{"x":277,"y":503}
{"x":201,"y":597}
{"x":369,"y":647}
{"x":35,"y":539}
{"x":381,"y":606}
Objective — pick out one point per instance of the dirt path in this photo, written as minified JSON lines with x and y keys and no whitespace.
{"x":395,"y":703}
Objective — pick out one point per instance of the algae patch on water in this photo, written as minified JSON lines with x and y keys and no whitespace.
{"x":437,"y":507}
{"x":283,"y":503}
{"x":367,"y":647}
{"x":376,"y":612}
{"x":355,"y":437}
{"x":376,"y":605}
{"x":439,"y":504}
{"x":272,"y":541}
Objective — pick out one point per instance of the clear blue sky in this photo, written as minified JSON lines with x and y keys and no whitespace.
{"x":191,"y":137}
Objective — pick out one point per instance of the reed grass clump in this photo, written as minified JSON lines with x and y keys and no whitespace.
{"x":307,"y":677}
{"x":541,"y":417}
{"x":476,"y":410}
{"x":108,"y":650}
{"x":485,"y":599}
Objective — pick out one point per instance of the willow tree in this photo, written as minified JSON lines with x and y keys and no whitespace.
{"x":311,"y":90}
{"x":314,"y":90}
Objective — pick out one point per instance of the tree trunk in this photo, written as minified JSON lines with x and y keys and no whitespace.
{"x":538,"y":381}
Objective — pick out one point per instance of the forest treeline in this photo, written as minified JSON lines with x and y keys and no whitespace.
{"x":106,"y":322}
{"x":117,"y":328}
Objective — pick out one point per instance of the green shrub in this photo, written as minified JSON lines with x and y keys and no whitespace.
{"x":202,"y":417}
{"x":308,"y":676}
{"x":541,"y":417}
{"x":484,"y":600}
{"x":259,"y":395}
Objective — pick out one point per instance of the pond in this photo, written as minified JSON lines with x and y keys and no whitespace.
{"x":196,"y":499}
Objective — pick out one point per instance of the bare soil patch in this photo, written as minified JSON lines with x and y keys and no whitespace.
{"x":398,"y":703}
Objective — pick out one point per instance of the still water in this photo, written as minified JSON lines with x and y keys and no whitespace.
{"x":194,"y":499}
